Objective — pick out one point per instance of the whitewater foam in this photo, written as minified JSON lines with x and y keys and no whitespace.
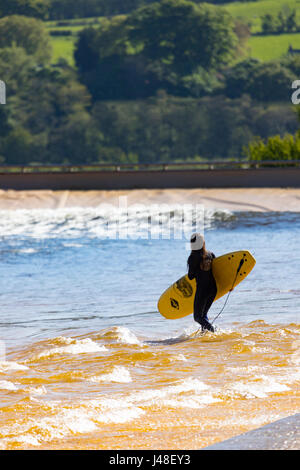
{"x":103,"y":221}
{"x":125,"y":336}
{"x":83,"y":346}
{"x":6,"y":385}
{"x":11,"y":365}
{"x":118,"y":374}
{"x":260,"y":387}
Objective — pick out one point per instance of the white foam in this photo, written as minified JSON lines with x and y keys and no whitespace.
{"x":73,"y":245}
{"x":118,"y":374}
{"x":295,"y":357}
{"x":27,"y":439}
{"x":36,"y":431}
{"x":102,"y":221}
{"x":187,"y":385}
{"x":87,"y":415}
{"x":193,"y":402}
{"x":76,"y":421}
{"x":183,"y":386}
{"x":10,"y":365}
{"x":125,"y":336}
{"x":245,"y":369}
{"x":36,"y":390}
{"x":119,"y":415}
{"x":178,"y":357}
{"x":82,"y":346}
{"x":260,"y":389}
{"x":80,"y":419}
{"x":27,"y":250}
{"x":111,"y":410}
{"x":6,"y":385}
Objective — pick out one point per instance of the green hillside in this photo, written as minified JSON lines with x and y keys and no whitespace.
{"x":156,"y":87}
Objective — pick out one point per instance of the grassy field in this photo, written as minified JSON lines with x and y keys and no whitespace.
{"x":252,"y":11}
{"x":266,"y":48}
{"x":63,"y":48}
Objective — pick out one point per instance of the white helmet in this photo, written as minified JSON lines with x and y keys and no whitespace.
{"x":197,"y":241}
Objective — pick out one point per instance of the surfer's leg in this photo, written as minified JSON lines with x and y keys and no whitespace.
{"x":199,"y":305}
{"x":200,"y":310}
{"x":206,"y":325}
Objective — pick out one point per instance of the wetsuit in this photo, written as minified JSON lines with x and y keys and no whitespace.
{"x":206,"y":289}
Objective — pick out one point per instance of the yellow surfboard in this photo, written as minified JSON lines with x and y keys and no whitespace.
{"x":228,"y":270}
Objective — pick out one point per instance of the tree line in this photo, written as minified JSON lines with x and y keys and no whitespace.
{"x":68,"y":9}
{"x":284,"y":22}
{"x":148,"y":87}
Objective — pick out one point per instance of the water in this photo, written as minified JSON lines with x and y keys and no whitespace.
{"x":90,"y":363}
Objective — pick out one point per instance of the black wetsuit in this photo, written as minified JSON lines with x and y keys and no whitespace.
{"x":206,"y":289}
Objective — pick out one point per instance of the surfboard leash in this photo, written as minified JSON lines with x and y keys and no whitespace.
{"x":237,"y":272}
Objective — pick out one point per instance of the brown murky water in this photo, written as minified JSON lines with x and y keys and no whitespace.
{"x":114,"y":390}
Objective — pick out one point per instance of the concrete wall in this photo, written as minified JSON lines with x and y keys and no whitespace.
{"x":262,"y":177}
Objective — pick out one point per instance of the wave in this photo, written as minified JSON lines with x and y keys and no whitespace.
{"x":118,"y":374}
{"x":6,"y":385}
{"x":138,"y":379}
{"x":152,"y":221}
{"x":259,"y":387}
{"x":86,"y":416}
{"x":11,"y":366}
{"x":70,"y":346}
{"x":120,"y":334}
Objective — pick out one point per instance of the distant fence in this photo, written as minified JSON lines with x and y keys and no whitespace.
{"x":163,"y":166}
{"x":200,"y":174}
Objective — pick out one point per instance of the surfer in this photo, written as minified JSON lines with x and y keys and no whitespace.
{"x":200,"y":268}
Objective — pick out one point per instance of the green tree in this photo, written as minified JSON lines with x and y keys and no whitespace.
{"x":284,"y":22}
{"x":18,"y":147}
{"x":47,"y":110}
{"x":237,"y":77}
{"x":270,"y":82}
{"x":281,"y":28}
{"x":276,"y":148}
{"x":155,"y":48}
{"x":87,"y":52}
{"x":291,"y":21}
{"x":77,"y":140}
{"x":201,"y":83}
{"x":183,"y":35}
{"x":60,"y":9}
{"x":269,"y":24}
{"x":94,"y":45}
{"x":33,"y":8}
{"x":5,"y":128}
{"x":28,"y":33}
{"x":15,"y":69}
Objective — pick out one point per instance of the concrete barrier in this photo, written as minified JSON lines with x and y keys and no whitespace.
{"x":283,"y":434}
{"x":124,"y":179}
